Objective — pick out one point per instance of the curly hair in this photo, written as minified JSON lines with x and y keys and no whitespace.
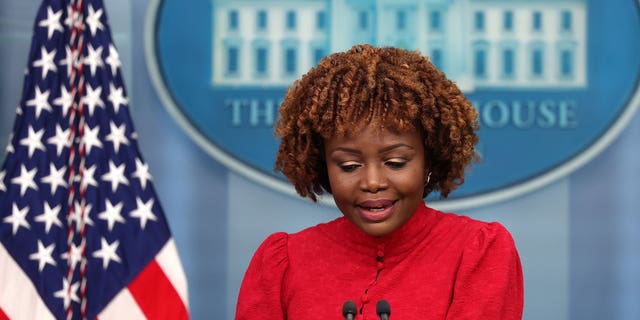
{"x":392,"y":88}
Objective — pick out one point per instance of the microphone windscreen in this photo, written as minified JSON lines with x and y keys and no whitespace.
{"x":383,"y":307}
{"x":349,"y":308}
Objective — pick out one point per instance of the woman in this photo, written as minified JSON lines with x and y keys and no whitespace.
{"x":380,"y":129}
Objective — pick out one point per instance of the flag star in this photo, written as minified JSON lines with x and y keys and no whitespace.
{"x":112,"y":214}
{"x":43,"y":255}
{"x":143,"y":212}
{"x":81,"y":218}
{"x":33,"y":141}
{"x":93,"y":20}
{"x":88,"y":179}
{"x":52,"y":22}
{"x":115,"y":175}
{"x":68,"y":21}
{"x":17,"y":218}
{"x":68,"y":293}
{"x":55,"y":178}
{"x":113,"y":59}
{"x":92,"y":99}
{"x":40,"y":102}
{"x":72,"y":17}
{"x":117,"y":98}
{"x":74,"y":255}
{"x":49,"y":217}
{"x":25,"y":180}
{"x":46,"y":61}
{"x":60,"y":139}
{"x":117,"y":135}
{"x":107,"y":252}
{"x":142,"y":173}
{"x":94,"y":58}
{"x":68,"y":59}
{"x":3,"y":187}
{"x":90,"y":138}
{"x":65,"y":100}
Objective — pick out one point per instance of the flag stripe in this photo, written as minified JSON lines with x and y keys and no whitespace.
{"x":18,"y":297}
{"x":155,"y":294}
{"x":169,"y":262}
{"x":123,"y":306}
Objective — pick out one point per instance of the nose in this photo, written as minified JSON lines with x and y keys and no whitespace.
{"x":373,"y":180}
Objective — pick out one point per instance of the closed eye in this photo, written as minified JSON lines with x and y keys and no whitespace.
{"x":349,"y":167}
{"x":395,"y":164}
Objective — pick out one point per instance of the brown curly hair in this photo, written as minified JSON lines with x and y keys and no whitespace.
{"x":393,"y":88}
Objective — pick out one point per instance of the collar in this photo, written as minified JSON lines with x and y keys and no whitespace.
{"x":396,"y":243}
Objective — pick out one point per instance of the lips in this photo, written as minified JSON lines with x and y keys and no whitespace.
{"x":376,"y":210}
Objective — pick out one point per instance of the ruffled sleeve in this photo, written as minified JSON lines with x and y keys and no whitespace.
{"x":260,"y":292}
{"x":489,"y":281}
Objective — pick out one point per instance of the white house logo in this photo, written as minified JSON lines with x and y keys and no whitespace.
{"x":554,"y":81}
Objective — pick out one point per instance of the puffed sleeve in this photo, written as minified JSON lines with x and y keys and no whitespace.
{"x":260,"y":292}
{"x":489,"y":281}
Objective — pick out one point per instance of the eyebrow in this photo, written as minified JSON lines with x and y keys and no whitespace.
{"x":383,"y":150}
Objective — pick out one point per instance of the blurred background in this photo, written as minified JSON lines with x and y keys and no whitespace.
{"x":570,"y":194}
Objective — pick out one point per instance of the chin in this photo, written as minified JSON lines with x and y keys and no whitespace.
{"x":377,"y":229}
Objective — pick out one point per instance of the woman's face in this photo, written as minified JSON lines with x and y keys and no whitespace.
{"x":377,"y":178}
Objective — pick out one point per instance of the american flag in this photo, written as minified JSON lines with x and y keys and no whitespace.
{"x":82,"y":233}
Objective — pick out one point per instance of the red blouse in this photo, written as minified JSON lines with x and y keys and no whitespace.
{"x":436,"y":266}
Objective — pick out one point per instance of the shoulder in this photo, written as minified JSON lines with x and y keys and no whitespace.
{"x":275,"y":239}
{"x":318,"y":232}
{"x":272,"y":251}
{"x":463,"y":222}
{"x":280,"y":244}
{"x":262,"y":282}
{"x":475,"y":232}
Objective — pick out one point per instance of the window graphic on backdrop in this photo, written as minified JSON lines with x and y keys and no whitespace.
{"x":552,"y":89}
{"x":479,"y":44}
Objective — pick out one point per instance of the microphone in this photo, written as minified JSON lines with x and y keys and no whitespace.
{"x":383,"y":309}
{"x":349,"y":310}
